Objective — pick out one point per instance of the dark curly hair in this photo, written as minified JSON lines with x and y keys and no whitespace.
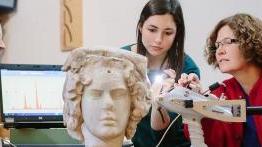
{"x":248,"y":30}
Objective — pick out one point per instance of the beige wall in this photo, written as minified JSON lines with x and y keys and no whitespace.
{"x":32,"y":33}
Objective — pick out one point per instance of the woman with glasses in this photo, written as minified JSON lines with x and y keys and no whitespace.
{"x":235,"y":47}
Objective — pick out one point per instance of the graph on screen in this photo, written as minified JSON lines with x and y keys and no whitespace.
{"x":32,"y":91}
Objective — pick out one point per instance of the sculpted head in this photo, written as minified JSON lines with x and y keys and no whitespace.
{"x":106,"y":92}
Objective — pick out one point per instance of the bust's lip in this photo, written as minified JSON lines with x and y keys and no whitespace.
{"x":109,"y":117}
{"x":108,"y":120}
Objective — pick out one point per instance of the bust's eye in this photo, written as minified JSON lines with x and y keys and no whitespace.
{"x":95,"y":94}
{"x":119,"y":93}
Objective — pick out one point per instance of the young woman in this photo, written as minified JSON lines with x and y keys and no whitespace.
{"x":160,"y":37}
{"x":235,"y":47}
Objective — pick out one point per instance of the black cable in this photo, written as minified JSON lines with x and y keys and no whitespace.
{"x":211,"y":88}
{"x":254,"y":110}
{"x":214,"y":86}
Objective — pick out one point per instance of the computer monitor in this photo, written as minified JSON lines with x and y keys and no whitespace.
{"x":31,"y":95}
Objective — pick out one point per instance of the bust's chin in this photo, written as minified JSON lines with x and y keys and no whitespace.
{"x":106,"y":132}
{"x":104,"y":137}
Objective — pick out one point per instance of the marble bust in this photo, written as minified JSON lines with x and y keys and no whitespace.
{"x":106,"y":93}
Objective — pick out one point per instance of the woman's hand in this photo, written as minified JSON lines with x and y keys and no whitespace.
{"x":168,"y":80}
{"x":164,"y":84}
{"x":159,"y":116}
{"x":190,"y":81}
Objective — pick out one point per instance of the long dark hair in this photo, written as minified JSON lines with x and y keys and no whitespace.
{"x":175,"y":55}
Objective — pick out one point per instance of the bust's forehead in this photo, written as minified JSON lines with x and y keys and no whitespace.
{"x":100,"y":68}
{"x":106,"y":79}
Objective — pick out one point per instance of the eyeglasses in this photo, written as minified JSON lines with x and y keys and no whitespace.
{"x":224,"y":42}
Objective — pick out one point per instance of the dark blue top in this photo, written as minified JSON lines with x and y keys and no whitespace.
{"x":145,"y":136}
{"x":250,"y":132}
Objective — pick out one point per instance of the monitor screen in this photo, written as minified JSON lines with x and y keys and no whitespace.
{"x":32,"y":95}
{"x":7,"y":5}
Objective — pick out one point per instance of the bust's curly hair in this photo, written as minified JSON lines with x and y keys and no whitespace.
{"x":247,"y":30}
{"x":134,"y":70}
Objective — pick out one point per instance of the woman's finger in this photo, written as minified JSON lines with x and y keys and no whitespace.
{"x":168,"y":84}
{"x":171,"y":73}
{"x":193,"y":77}
{"x":183,"y":81}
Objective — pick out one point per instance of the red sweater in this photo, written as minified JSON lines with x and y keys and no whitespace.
{"x":227,"y":134}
